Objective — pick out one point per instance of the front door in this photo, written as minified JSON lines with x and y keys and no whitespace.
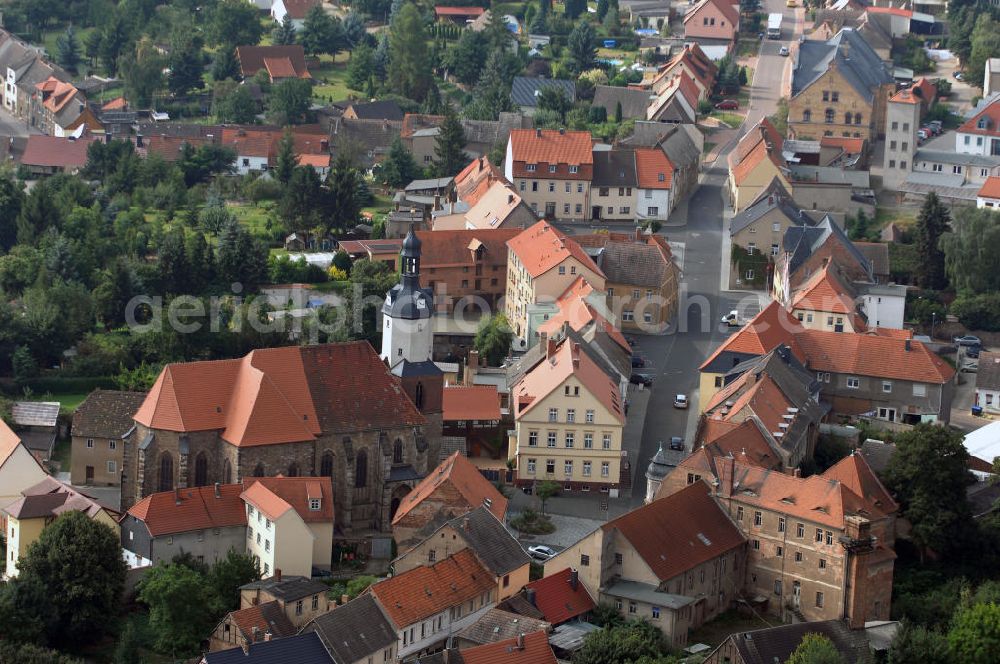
{"x":595,"y":212}
{"x":550,"y":210}
{"x":90,"y":474}
{"x":796,"y":594}
{"x":887,"y":414}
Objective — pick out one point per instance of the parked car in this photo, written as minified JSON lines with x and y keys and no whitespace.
{"x":958,"y":76}
{"x":971,"y":368}
{"x":968,"y":340}
{"x":792,"y":4}
{"x":540,"y":552}
{"x":631,"y":341}
{"x":641,"y":379}
{"x":783,"y":51}
{"x":677,"y":443}
{"x":972,"y":352}
{"x":734,"y":319}
{"x":923,"y":134}
{"x":936,"y":126}
{"x":681,"y":401}
{"x":637,"y":361}
{"x":728,"y":105}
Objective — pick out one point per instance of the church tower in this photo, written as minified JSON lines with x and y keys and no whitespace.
{"x":407,"y":331}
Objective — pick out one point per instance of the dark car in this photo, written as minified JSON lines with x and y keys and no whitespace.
{"x":677,"y":443}
{"x":637,"y":361}
{"x":728,"y":105}
{"x":972,"y":352}
{"x":641,"y":379}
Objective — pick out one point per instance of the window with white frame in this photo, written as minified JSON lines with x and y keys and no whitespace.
{"x":550,"y":440}
{"x":919,"y":390}
{"x":590,"y":416}
{"x":887,"y":386}
{"x":586,"y":468}
{"x":531,"y":466}
{"x":530,"y":168}
{"x":553,"y":414}
{"x":570,"y":439}
{"x":606,"y":441}
{"x":112,"y":466}
{"x":853,"y":382}
{"x":112,"y":444}
{"x":568,"y":467}
{"x":571,"y":415}
{"x":605,"y":468}
{"x":588,"y":441}
{"x":532,"y":439}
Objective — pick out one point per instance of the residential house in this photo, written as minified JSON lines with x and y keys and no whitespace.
{"x":755,"y":163}
{"x":357,"y":632}
{"x":776,"y":644}
{"x":458,"y":15}
{"x":24,"y":67}
{"x":633,"y":102}
{"x":499,"y":625}
{"x":48,"y":155}
{"x":677,"y":562}
{"x":464,"y":264}
{"x":756,"y":233}
{"x":473,"y":181}
{"x":419,"y":134}
{"x":332,"y":411}
{"x":472,"y":413}
{"x":676,"y":101}
{"x":991,"y":78}
{"x":840,"y":87}
{"x":524,"y":92}
{"x":712,"y":20}
{"x":301,"y":649}
{"x":207,"y":522}
{"x":684,"y":154}
{"x":374,"y":110}
{"x":40,"y":505}
{"x":454,"y":488}
{"x":296,"y":10}
{"x":641,"y":284}
{"x":980,"y":134}
{"x":257,"y":148}
{"x":559,"y":597}
{"x":480,"y":532}
{"x":525,"y":648}
{"x":253,"y":624}
{"x":828,"y":301}
{"x":58,"y":106}
{"x":289,"y":523}
{"x":19,"y":468}
{"x":655,"y":176}
{"x":819,"y":547}
{"x":281,"y":62}
{"x":613,"y":186}
{"x":100,"y":426}
{"x":300,"y":598}
{"x":579,"y":452}
{"x":542,"y":262}
{"x":369,"y":140}
{"x":578,"y":309}
{"x":989,"y":194}
{"x":36,"y":423}
{"x":429,"y":603}
{"x":552,"y":170}
{"x":692,"y":61}
{"x":500,"y":207}
{"x":377,"y":251}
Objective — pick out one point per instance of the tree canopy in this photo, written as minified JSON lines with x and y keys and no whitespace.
{"x":493,"y":339}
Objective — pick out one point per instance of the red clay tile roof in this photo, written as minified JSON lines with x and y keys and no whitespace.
{"x":299,"y":8}
{"x":455,"y":247}
{"x":169,"y":147}
{"x":895,"y":11}
{"x":824,"y":292}
{"x":274,"y":496}
{"x":413,"y":122}
{"x":534,"y":649}
{"x":542,"y":247}
{"x":314,"y":160}
{"x":854,"y":472}
{"x":551,"y":146}
{"x":471,"y":402}
{"x":692,"y":61}
{"x":848,"y":145}
{"x":723,"y":7}
{"x":991,"y":116}
{"x":578,"y":313}
{"x":763,"y":397}
{"x":698,"y":529}
{"x":566,"y":361}
{"x":926,"y":90}
{"x":280,"y":68}
{"x":905,"y":96}
{"x":252,"y":58}
{"x":990,"y":188}
{"x":56,"y":93}
{"x":873,"y":355}
{"x":459,"y":473}
{"x":8,"y":441}
{"x":424,"y":591}
{"x":458,"y":11}
{"x":473,"y":181}
{"x":277,"y":395}
{"x":653,"y":168}
{"x":268,"y":618}
{"x":56,"y":151}
{"x":744,"y":442}
{"x":556,"y":599}
{"x":183,"y":510}
{"x":116,"y":104}
{"x":772,"y":327}
{"x":761,"y":142}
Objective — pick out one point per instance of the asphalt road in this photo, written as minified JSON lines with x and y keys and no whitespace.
{"x":10,"y":125}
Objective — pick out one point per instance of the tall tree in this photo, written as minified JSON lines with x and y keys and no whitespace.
{"x":975,"y":634}
{"x":344,"y":183}
{"x":114,"y":41}
{"x":286,"y":160}
{"x":602,"y":9}
{"x":582,"y":46}
{"x":915,"y":644}
{"x":234,"y":23}
{"x":289,"y":102}
{"x":284,"y":32}
{"x":492,"y":95}
{"x":68,"y":50}
{"x":301,"y":204}
{"x":574,"y":8}
{"x":493,"y":339}
{"x":173,"y":262}
{"x":971,"y":261}
{"x":449,"y":150}
{"x":227,"y":575}
{"x":232,"y":103}
{"x":467,"y":57}
{"x":816,"y":649}
{"x":321,"y":33}
{"x":185,"y":62}
{"x":225,"y":65}
{"x":11,"y":200}
{"x":932,"y":223}
{"x":399,"y":167}
{"x":540,"y":23}
{"x":180,"y":607}
{"x":361,"y":67}
{"x":142,"y":73}
{"x":409,"y":63}
{"x":239,"y":257}
{"x":354,"y":31}
{"x":553,"y":98}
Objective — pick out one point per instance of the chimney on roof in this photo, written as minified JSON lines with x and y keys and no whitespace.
{"x":437,"y":201}
{"x":267,"y":636}
{"x":344,"y":599}
{"x":550,"y":348}
{"x":529,"y":594}
{"x":727,"y":469}
{"x":510,"y":199}
{"x":797,"y":472}
{"x":574,"y":579}
{"x":520,"y":642}
{"x":575,"y":353}
{"x":277,"y":574}
{"x":177,"y":495}
{"x":218,"y":490}
{"x":538,"y":133}
{"x":562,"y":131}
{"x":253,"y":634}
{"x":906,"y":344}
{"x":465,"y":523}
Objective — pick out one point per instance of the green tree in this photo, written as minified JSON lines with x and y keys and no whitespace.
{"x":286,"y":160}
{"x":27,"y":653}
{"x":361,"y":67}
{"x":284,"y":32}
{"x":78,"y":560}
{"x":449,"y":149}
{"x":985,"y":44}
{"x":622,"y":644}
{"x":232,"y":103}
{"x":545,"y":490}
{"x":11,"y":200}
{"x":301,"y":205}
{"x":321,"y":33}
{"x":359,"y":584}
{"x":932,"y":223}
{"x":540,"y":22}
{"x":582,"y":47}
{"x":113,"y":43}
{"x":369,"y":283}
{"x":115,"y":288}
{"x":239,"y":257}
{"x":574,"y":8}
{"x":915,"y":644}
{"x":928,"y":476}
{"x":24,"y":363}
{"x":816,"y":649}
{"x":975,"y":635}
{"x":227,"y":575}
{"x":142,"y":73}
{"x":173,"y":262}
{"x":234,"y":23}
{"x":289,"y":102}
{"x":492,"y":94}
{"x":553,"y":98}
{"x":971,"y":262}
{"x":618,"y":112}
{"x":180,"y":607}
{"x":344,"y":183}
{"x":399,"y":167}
{"x":127,"y":650}
{"x":493,"y":339}
{"x":465,"y":60}
{"x":409,"y":71}
{"x":68,"y":50}
{"x":185,"y":62}
{"x":602,"y":9}
{"x":225,"y":65}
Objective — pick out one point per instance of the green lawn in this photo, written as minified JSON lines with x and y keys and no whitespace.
{"x":50,"y":37}
{"x":331,"y":79}
{"x":259,"y":219}
{"x":732,"y":119}
{"x":901,"y":217}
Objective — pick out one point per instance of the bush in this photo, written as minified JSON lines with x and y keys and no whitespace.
{"x":533,"y":523}
{"x":978,"y":312}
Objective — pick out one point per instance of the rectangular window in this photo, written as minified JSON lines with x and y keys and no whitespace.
{"x":822,"y":563}
{"x":90,"y":442}
{"x":586,"y":469}
{"x":521,"y":185}
{"x":819,"y":534}
{"x":431,"y":556}
{"x":777,"y":586}
{"x":112,"y":466}
{"x":568,"y":468}
{"x":632,"y":607}
{"x":739,"y":513}
{"x":550,"y":440}
{"x":606,"y":441}
{"x":780,"y":552}
{"x":590,"y":416}
{"x":314,"y":504}
{"x":829,"y":537}
{"x":886,"y":386}
{"x":112,"y":445}
{"x":781,"y":524}
{"x":552,"y":168}
{"x":550,"y":466}
{"x":656,"y":613}
{"x":819,"y":599}
{"x":570,"y":414}
{"x":553,"y":414}
{"x":530,"y":168}
{"x":298,"y":608}
{"x":798,"y":556}
{"x":568,"y":190}
{"x":757,"y":518}
{"x":565,"y":208}
{"x":532,"y":439}
{"x":605,"y":469}
{"x":531,"y":466}
{"x":588,"y":441}
{"x":584,"y":560}
{"x":570,"y":438}
{"x":756,"y":545}
{"x":574,"y":169}
{"x":800,"y":530}
{"x":652,"y":211}
{"x":853,"y":382}
{"x":919,"y":390}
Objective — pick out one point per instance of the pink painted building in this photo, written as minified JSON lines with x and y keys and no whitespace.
{"x":712,"y":19}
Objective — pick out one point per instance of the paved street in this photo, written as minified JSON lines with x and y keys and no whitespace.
{"x":11,"y":126}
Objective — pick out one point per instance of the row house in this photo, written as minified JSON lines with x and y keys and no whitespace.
{"x":357,"y":632}
{"x":552,"y":170}
{"x":819,"y":547}
{"x":712,"y":20}
{"x":58,"y":108}
{"x":427,"y":604}
{"x":828,"y":301}
{"x":614,"y":186}
{"x":30,"y":79}
{"x":677,"y":101}
{"x":464,"y":268}
{"x":19,"y":468}
{"x":100,"y":426}
{"x":755,"y":163}
{"x":693,"y":62}
{"x":473,"y":414}
{"x":300,"y":648}
{"x":577,"y":309}
{"x":568,"y":422}
{"x":257,"y":149}
{"x":677,"y":562}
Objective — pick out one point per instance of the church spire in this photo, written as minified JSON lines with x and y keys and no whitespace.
{"x":410,"y":261}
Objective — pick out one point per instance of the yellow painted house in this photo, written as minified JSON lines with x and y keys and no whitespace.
{"x":39,"y":506}
{"x":755,"y":163}
{"x":19,"y":470}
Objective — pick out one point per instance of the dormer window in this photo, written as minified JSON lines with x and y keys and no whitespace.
{"x":552,"y":168}
{"x":530,"y":168}
{"x":574,"y":169}
{"x":661,"y":177}
{"x":983,"y":122}
{"x":314,"y":504}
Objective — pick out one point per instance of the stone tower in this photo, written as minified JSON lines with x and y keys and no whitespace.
{"x":901,"y":125}
{"x":657,"y":470}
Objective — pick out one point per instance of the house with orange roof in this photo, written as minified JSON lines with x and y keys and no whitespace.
{"x":827,"y":302}
{"x":560,"y":597}
{"x":206,"y":521}
{"x":712,"y":19}
{"x":819,"y":547}
{"x":59,"y":105}
{"x":542,"y":262}
{"x":295,"y":10}
{"x":577,"y":309}
{"x":980,"y":134}
{"x":655,"y":175}
{"x":454,"y":488}
{"x":530,"y":648}
{"x":260,"y":622}
{"x":989,"y":194}
{"x":551,"y":170}
{"x":280,"y":61}
{"x":472,"y":412}
{"x":473,"y":181}
{"x":677,"y":100}
{"x":427,"y":604}
{"x":500,"y":207}
{"x":694,"y":63}
{"x":332,"y":410}
{"x":754,"y":163}
{"x":568,"y":422}
{"x":19,"y":469}
{"x":677,"y":562}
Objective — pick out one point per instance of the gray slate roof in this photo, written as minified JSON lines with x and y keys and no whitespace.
{"x":766,"y":646}
{"x":355,"y":630}
{"x":773,"y":197}
{"x":378,"y":110}
{"x":679,"y":148}
{"x":615,"y":168}
{"x":289,"y":588}
{"x":988,"y":377}
{"x":301,"y":649}
{"x":106,"y":414}
{"x":853,"y":57}
{"x":634,"y":264}
{"x":492,"y":544}
{"x":802,"y":241}
{"x":497,"y":625}
{"x":634,"y":102}
{"x":524,"y":90}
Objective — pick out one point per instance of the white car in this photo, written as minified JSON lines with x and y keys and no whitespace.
{"x":783,"y":51}
{"x":541,"y":552}
{"x":681,"y":401}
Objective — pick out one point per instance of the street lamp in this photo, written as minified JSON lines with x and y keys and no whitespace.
{"x":933,"y":320}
